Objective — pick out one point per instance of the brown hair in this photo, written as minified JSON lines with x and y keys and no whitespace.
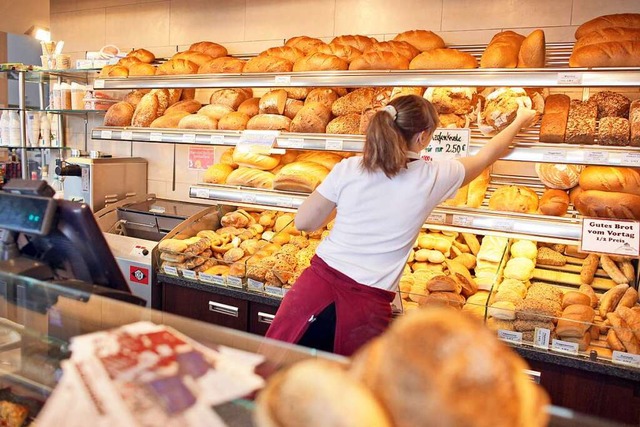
{"x":388,"y":139}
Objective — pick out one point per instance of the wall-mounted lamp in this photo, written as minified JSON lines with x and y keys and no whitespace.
{"x":39,"y":33}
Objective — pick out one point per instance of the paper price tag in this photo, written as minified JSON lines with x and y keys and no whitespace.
{"x":273,"y":290}
{"x":291,"y":143}
{"x":564,"y":346}
{"x":569,"y":79}
{"x":98,"y":84}
{"x":105,"y":134}
{"x":510,"y":336}
{"x":626,"y":359}
{"x":257,"y":141}
{"x":462,"y":220}
{"x":575,"y":156}
{"x":541,"y":338}
{"x":596,"y":157}
{"x":217,"y":139}
{"x":254,"y":285}
{"x":333,"y":144}
{"x":610,"y":236}
{"x":170,"y":270}
{"x":189,"y":138}
{"x":189,"y":274}
{"x":446,"y":144}
{"x":155,"y":136}
{"x":503,"y":225}
{"x":282,"y":80}
{"x":126,"y":135}
{"x":207,"y":278}
{"x":234,"y":282}
{"x":202,"y":193}
{"x":631,"y":159}
{"x":437,"y":218}
{"x":248,"y":198}
{"x":283,"y":202}
{"x":554,"y":156}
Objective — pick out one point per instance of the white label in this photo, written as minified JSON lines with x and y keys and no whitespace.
{"x":447,"y":144}
{"x":170,"y":270}
{"x":189,"y":274}
{"x":274,"y":290}
{"x":98,"y":84}
{"x":105,"y":134}
{"x":207,"y":278}
{"x":510,"y":336}
{"x":541,"y":338}
{"x":188,"y":138}
{"x":437,"y":218}
{"x":282,"y":80}
{"x":202,"y":193}
{"x":626,"y":358}
{"x":155,"y":136}
{"x":220,"y":280}
{"x":631,"y":159}
{"x":615,"y":158}
{"x":284,"y":202}
{"x":565,"y":346}
{"x":248,"y":198}
{"x":601,"y":157}
{"x":291,"y":143}
{"x":575,"y":156}
{"x":254,"y":285}
{"x":462,"y":220}
{"x":126,"y":135}
{"x":235,"y":282}
{"x":333,"y":144}
{"x":217,"y":139}
{"x":610,"y":236}
{"x":554,"y":156}
{"x":569,"y":79}
{"x":503,"y":225}
{"x":257,"y":141}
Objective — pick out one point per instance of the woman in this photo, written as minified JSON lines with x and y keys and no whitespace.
{"x":381,"y":201}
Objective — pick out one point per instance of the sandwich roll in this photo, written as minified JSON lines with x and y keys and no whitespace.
{"x":610,"y":267}
{"x":589,"y":268}
{"x":611,"y":298}
{"x":554,"y":203}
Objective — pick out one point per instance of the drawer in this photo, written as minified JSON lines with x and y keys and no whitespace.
{"x":205,"y":306}
{"x":260,"y":317}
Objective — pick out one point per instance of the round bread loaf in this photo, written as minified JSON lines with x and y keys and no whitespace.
{"x":215,"y":111}
{"x":353,"y":102}
{"x":142,"y":55}
{"x":235,"y":120}
{"x":197,"y":58}
{"x":347,"y":124}
{"x":197,"y":121}
{"x":232,"y":98}
{"x":292,"y":107}
{"x":250,"y":107}
{"x":452,"y":100}
{"x":422,"y":40}
{"x":142,"y":69}
{"x":442,"y":59}
{"x":119,"y":114}
{"x":513,"y":198}
{"x":313,"y":117}
{"x":305,"y":44}
{"x":361,"y":43}
{"x":214,"y":50}
{"x":273,"y":102}
{"x":524,"y":249}
{"x":559,"y":176}
{"x":224,"y":64}
{"x":269,"y":122}
{"x":554,"y":202}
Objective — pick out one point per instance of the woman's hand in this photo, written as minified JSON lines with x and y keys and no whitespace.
{"x":525,"y":116}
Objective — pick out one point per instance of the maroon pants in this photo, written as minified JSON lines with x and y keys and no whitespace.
{"x":362,"y":312}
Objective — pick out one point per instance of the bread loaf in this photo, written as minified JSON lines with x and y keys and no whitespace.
{"x":634,"y":123}
{"x":607,"y":54}
{"x":512,"y":198}
{"x":318,"y":61}
{"x":142,"y":69}
{"x":575,"y":320}
{"x":292,"y":107}
{"x":343,"y":51}
{"x":607,"y":204}
{"x":478,"y":188}
{"x":224,"y":64}
{"x":632,"y":318}
{"x":611,"y":178}
{"x":217,"y":174}
{"x":532,"y":51}
{"x":421,"y":39}
{"x":575,"y":297}
{"x":197,"y":121}
{"x":177,"y":66}
{"x":324,"y":158}
{"x":554,"y":202}
{"x":134,"y":97}
{"x":146,"y":111}
{"x":289,"y":53}
{"x":249,"y":177}
{"x":559,"y":176}
{"x":229,"y":97}
{"x":169,"y":121}
{"x":611,"y":104}
{"x":305,"y":44}
{"x":400,"y":47}
{"x":347,"y":124}
{"x":613,"y":34}
{"x":197,"y":58}
{"x":119,"y":114}
{"x":189,"y":106}
{"x":581,"y":123}
{"x":255,"y":160}
{"x":441,"y":58}
{"x":235,"y":120}
{"x":267,"y":64}
{"x":250,"y":107}
{"x":273,"y":102}
{"x":327,"y":97}
{"x":613,"y":131}
{"x":215,"y":111}
{"x":502,"y":51}
{"x":143,"y":55}
{"x":312,"y":118}
{"x":353,"y":102}
{"x":361,"y":43}
{"x":113,"y":71}
{"x":624,"y":333}
{"x":300,"y":176}
{"x":227,"y":158}
{"x":214,"y":50}
{"x":129,"y":61}
{"x":554,"y":121}
{"x":380,"y":60}
{"x":269,"y":122}
{"x":624,"y":20}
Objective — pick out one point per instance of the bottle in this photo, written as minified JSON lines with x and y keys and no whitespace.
{"x":53,"y":124}
{"x":4,"y":128}
{"x":45,"y":130}
{"x":14,"y":129}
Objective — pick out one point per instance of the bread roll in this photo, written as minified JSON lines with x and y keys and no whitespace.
{"x":197,"y":58}
{"x":318,"y":61}
{"x":143,"y":55}
{"x":437,"y":59}
{"x":347,"y":124}
{"x":250,"y":177}
{"x":197,"y":121}
{"x":502,"y":51}
{"x":559,"y":176}
{"x":512,"y":198}
{"x":524,"y":249}
{"x":589,"y":268}
{"x":611,"y":178}
{"x":312,"y":118}
{"x":581,"y":123}
{"x":301,"y":176}
{"x":113,"y":71}
{"x":189,"y":106}
{"x":519,"y":268}
{"x":634,"y":123}
{"x":305,"y":44}
{"x":625,"y":20}
{"x":177,"y":66}
{"x":607,"y":54}
{"x":380,"y":60}
{"x":229,"y":97}
{"x":142,"y":69}
{"x":269,"y":122}
{"x":624,"y":333}
{"x":400,"y":47}
{"x":343,"y":51}
{"x":214,"y":50}
{"x":554,"y":121}
{"x":146,"y":111}
{"x":610,"y":267}
{"x":217,"y":174}
{"x":169,"y":121}
{"x":353,"y":102}
{"x":267,"y":64}
{"x":630,"y":297}
{"x":324,"y":96}
{"x":632,"y":319}
{"x":234,"y":121}
{"x":606,"y":204}
{"x":421,"y":39}
{"x":613,"y":131}
{"x":361,"y":43}
{"x":575,"y":321}
{"x":129,"y":61}
{"x":611,"y":298}
{"x":224,"y":64}
{"x":574,"y":297}
{"x":554,"y":203}
{"x":119,"y":114}
{"x":289,"y":53}
{"x":273,"y":102}
{"x":532,"y":51}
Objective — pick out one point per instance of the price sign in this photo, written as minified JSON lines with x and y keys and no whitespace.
{"x":189,"y":274}
{"x":172,"y":271}
{"x":284,"y":202}
{"x":257,"y":141}
{"x":207,"y":278}
{"x":334,"y":144}
{"x":273,"y":290}
{"x":447,"y":144}
{"x":105,"y":134}
{"x":564,"y":346}
{"x":554,"y":156}
{"x":595,"y":157}
{"x":201,"y":158}
{"x":217,"y":139}
{"x":510,"y":336}
{"x":462,"y":220}
{"x":254,"y":285}
{"x":126,"y":135}
{"x":282,"y":80}
{"x":155,"y":136}
{"x":189,"y":138}
{"x":541,"y":338}
{"x":248,"y":198}
{"x":437,"y":218}
{"x":98,"y":84}
{"x":626,"y":359}
{"x":570,"y":79}
{"x":610,"y":236}
{"x":631,"y":159}
{"x":503,"y":225}
{"x":234,"y":282}
{"x":291,"y":143}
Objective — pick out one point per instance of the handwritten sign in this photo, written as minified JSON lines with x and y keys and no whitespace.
{"x":447,"y":144}
{"x":610,"y":236}
{"x":200,"y":158}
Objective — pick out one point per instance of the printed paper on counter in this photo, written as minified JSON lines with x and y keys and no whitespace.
{"x":608,"y":236}
{"x":201,"y":158}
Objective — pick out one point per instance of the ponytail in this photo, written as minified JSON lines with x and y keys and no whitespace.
{"x":389,"y":135}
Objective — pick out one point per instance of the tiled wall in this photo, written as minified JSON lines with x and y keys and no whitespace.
{"x":249,"y":26}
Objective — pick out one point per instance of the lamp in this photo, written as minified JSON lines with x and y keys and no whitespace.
{"x":39,"y":33}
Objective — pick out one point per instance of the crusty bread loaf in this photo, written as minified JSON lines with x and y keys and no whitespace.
{"x":324,"y":158}
{"x":146,"y":111}
{"x":129,"y":61}
{"x":197,"y":121}
{"x":217,"y":174}
{"x":532,"y":51}
{"x":267,"y":64}
{"x":607,"y":54}
{"x":513,"y":198}
{"x":113,"y":71}
{"x":169,"y":121}
{"x":613,"y":131}
{"x":269,"y":122}
{"x":441,"y":58}
{"x":119,"y":114}
{"x":300,"y":176}
{"x":299,"y":93}
{"x":229,"y":97}
{"x":634,"y":123}
{"x":196,"y":57}
{"x":346,"y":124}
{"x":611,"y":104}
{"x":143,"y":55}
{"x":312,"y":118}
{"x":400,"y":47}
{"x":164,"y":99}
{"x":327,"y":97}
{"x":380,"y":60}
{"x":255,"y":160}
{"x":612,"y":34}
{"x":273,"y":102}
{"x":177,"y":66}
{"x":292,"y":107}
{"x":346,"y":52}
{"x":250,"y":177}
{"x":353,"y":102}
{"x":142,"y":69}
{"x":190,"y":106}
{"x":558,"y":176}
{"x":554,"y":121}
{"x":624,"y":20}
{"x":188,"y":93}
{"x":234,"y":121}
{"x":135,"y":96}
{"x":581,"y":123}
{"x":611,"y":178}
{"x":224,"y":64}
{"x":575,"y":297}
{"x":554,"y":203}
{"x":421,"y":39}
{"x":361,"y":43}
{"x":318,"y":61}
{"x":478,"y":188}
{"x":305,"y":44}
{"x":250,"y":107}
{"x":215,"y":111}
{"x":214,"y":50}
{"x":608,"y":204}
{"x":289,"y":53}
{"x":502,"y":51}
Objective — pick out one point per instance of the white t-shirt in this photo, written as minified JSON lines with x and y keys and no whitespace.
{"x":378,"y":218}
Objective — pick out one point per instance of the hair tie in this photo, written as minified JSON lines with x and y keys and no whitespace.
{"x":391,"y":110}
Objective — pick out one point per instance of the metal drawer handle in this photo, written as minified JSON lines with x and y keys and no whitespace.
{"x":265,"y":318}
{"x":227,"y":310}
